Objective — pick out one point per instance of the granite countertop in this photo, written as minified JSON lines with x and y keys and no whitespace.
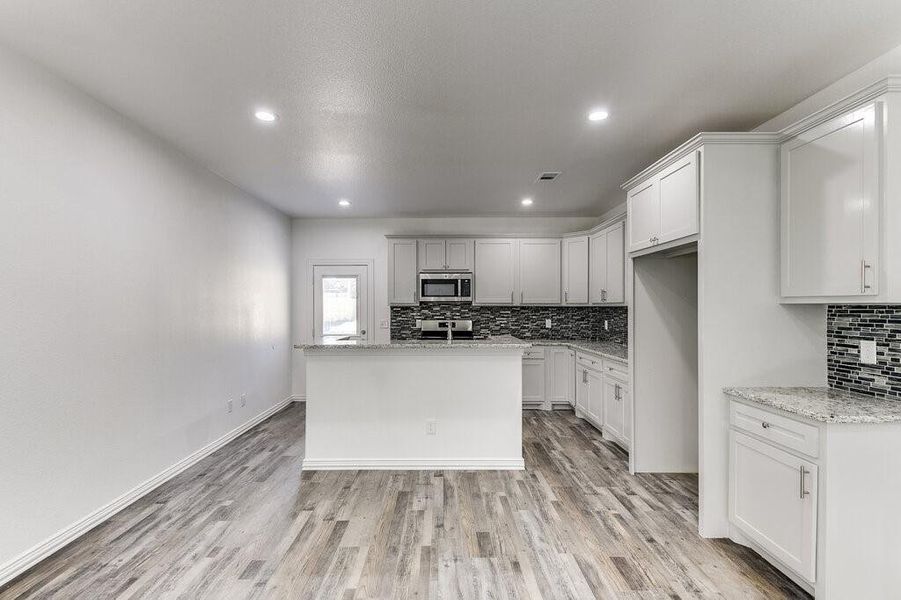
{"x":503,"y":342}
{"x":611,"y":350}
{"x":822,"y":404}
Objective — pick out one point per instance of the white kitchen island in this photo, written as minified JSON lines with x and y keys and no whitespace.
{"x":415,"y":405}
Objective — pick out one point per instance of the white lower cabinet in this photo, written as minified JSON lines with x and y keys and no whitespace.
{"x":773,"y":501}
{"x":560,"y":376}
{"x":818,"y":499}
{"x":603,"y":398}
{"x":533,"y":378}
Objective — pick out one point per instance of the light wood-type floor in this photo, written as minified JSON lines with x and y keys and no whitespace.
{"x":246,"y":523}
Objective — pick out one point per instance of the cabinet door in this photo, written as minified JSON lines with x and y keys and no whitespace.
{"x":533,"y":381}
{"x":559,"y":375}
{"x":625,"y":396}
{"x":495,"y":273}
{"x":597,"y":267}
{"x":679,"y":196}
{"x":575,"y":270}
{"x":402,"y":271}
{"x":773,"y":500}
{"x":643,"y":207}
{"x":830,"y":207}
{"x":432,"y":255}
{"x":615,"y":289}
{"x":614,"y":413}
{"x":458,"y":254}
{"x":582,"y":395}
{"x":539,"y":271}
{"x":596,"y":396}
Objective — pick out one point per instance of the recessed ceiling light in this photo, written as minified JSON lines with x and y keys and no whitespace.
{"x":344,"y":203}
{"x":598,"y":115}
{"x":266,"y":116}
{"x":527,"y":202}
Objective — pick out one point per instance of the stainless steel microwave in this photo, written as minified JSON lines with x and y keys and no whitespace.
{"x":445,"y":287}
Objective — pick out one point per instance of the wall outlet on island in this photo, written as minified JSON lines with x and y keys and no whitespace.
{"x":229,"y":405}
{"x":386,"y":324}
{"x":431,"y":427}
{"x":243,"y":399}
{"x":547,"y":323}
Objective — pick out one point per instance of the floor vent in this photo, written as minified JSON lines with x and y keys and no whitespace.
{"x":548,"y":176}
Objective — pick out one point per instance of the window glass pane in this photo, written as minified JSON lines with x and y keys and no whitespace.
{"x":339,"y":306}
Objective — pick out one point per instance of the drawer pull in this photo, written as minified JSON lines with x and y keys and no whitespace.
{"x":765,"y":425}
{"x":803,"y":472}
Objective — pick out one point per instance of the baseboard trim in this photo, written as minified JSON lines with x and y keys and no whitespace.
{"x":414,"y":464}
{"x":298,"y":398}
{"x":18,"y":565}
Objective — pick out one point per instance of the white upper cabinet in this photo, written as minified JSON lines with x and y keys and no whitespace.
{"x":402,"y":271}
{"x":643,"y":206}
{"x":443,"y":255}
{"x":606,"y":281}
{"x":495,"y":271}
{"x":679,"y":197}
{"x":539,"y":271}
{"x":575,"y":270}
{"x":664,"y":208}
{"x":459,"y":254}
{"x":830,"y":207}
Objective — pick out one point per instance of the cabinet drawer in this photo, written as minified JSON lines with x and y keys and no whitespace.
{"x":533,"y":353}
{"x":589,"y":361}
{"x":616,"y":369}
{"x":786,"y":432}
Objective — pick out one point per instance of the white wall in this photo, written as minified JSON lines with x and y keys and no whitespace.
{"x":137,"y":293}
{"x":364,"y":239}
{"x":879,"y":68}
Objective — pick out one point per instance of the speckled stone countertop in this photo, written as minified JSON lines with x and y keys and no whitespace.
{"x":611,"y":350}
{"x":822,"y":404}
{"x":501,"y":342}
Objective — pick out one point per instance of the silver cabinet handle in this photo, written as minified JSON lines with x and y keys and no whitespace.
{"x":511,"y":297}
{"x":864,"y":286}
{"x":765,"y":425}
{"x":603,"y":295}
{"x":565,"y":296}
{"x":803,"y":472}
{"x":584,"y":376}
{"x":362,"y":332}
{"x":522,"y":296}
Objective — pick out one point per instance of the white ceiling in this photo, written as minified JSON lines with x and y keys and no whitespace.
{"x":445,"y":107}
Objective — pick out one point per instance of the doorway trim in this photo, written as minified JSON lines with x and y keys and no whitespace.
{"x":369,"y":263}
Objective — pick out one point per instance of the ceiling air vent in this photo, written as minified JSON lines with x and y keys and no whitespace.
{"x":548,"y":176}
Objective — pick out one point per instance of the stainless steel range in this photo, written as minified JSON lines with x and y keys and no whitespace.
{"x":447,"y":329}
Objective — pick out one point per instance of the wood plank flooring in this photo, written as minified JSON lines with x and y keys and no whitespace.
{"x":247,"y":523}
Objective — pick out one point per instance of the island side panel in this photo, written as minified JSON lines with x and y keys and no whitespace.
{"x":371,"y":409}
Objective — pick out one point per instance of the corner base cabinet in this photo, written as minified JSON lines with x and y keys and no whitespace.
{"x":603,"y":398}
{"x":818,"y":500}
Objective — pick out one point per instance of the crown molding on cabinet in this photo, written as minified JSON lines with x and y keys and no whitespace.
{"x":702,"y":139}
{"x":518,"y":236}
{"x":892,"y":83}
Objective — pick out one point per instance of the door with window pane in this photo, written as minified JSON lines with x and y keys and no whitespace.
{"x":340,"y":303}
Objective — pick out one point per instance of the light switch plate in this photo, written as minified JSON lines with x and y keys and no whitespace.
{"x":868,"y":352}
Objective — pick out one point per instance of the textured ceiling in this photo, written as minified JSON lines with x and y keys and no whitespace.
{"x":445,"y":107}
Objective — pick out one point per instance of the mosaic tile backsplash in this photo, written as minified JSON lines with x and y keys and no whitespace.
{"x":525,"y":322}
{"x":845,"y":326}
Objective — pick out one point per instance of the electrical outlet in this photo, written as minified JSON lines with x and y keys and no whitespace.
{"x":547,"y":323}
{"x":868,"y":352}
{"x":386,"y":324}
{"x":243,"y":399}
{"x":431,"y":427}
{"x":606,"y":325}
{"x":228,"y":405}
